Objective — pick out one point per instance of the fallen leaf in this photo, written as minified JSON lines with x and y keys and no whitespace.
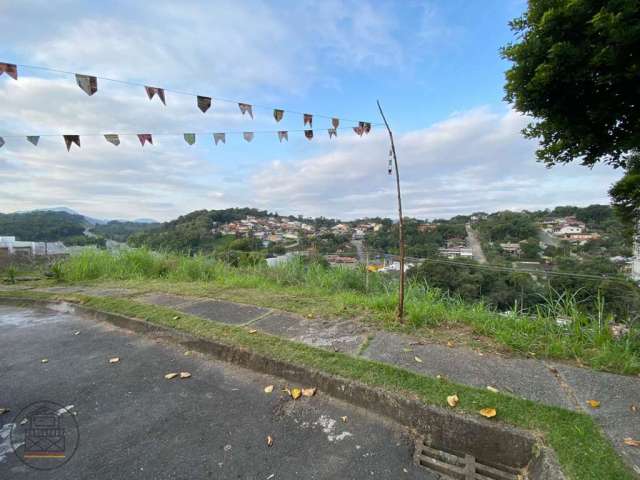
{"x":171,"y":375}
{"x":114,"y":360}
{"x":488,"y":412}
{"x":253,"y":330}
{"x":269,"y":440}
{"x":634,"y":408}
{"x":44,"y":360}
{"x":76,"y":333}
{"x":4,"y":410}
{"x":309,"y":392}
{"x":309,"y":315}
{"x":450,"y":344}
{"x":268,"y":389}
{"x":417,"y":359}
{"x":492,"y":389}
{"x":188,"y":352}
{"x":593,"y":403}
{"x":344,"y":419}
{"x":553,"y":370}
{"x":185,"y":375}
{"x":631,"y":442}
{"x":176,"y":317}
{"x":24,"y":421}
{"x":453,"y":400}
{"x":296,"y":393}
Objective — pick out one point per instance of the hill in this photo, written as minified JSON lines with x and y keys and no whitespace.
{"x":42,"y":225}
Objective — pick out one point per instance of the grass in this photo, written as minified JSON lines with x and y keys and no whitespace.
{"x":579,"y":444}
{"x":319,"y":291}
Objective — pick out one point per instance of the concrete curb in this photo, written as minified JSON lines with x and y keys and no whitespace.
{"x":500,"y":444}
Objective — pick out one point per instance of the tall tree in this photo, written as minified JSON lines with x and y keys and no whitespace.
{"x":576,"y":67}
{"x":625,"y":193}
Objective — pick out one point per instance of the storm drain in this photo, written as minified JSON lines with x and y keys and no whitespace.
{"x":461,"y":466}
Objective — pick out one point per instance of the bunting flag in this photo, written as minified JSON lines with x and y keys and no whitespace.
{"x":245,"y":107}
{"x":278,"y":114}
{"x":308,"y":134}
{"x":366,"y":126}
{"x":145,"y":137}
{"x":1,"y":142}
{"x":190,"y":138}
{"x":112,"y":138}
{"x":335,"y":122}
{"x":248,"y":136}
{"x":308,"y":118}
{"x":87,"y":83}
{"x":152,"y":91}
{"x":71,"y":139}
{"x":359,"y":130}
{"x":332,"y":132}
{"x":34,"y":139}
{"x":219,"y":137}
{"x":283,"y":134}
{"x":10,"y":69}
{"x":204,"y":103}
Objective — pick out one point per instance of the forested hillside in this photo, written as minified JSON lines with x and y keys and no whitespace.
{"x":41,"y":226}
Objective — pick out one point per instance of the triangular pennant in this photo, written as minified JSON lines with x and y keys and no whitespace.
{"x":335,"y":122}
{"x":10,"y":69}
{"x":87,"y":83}
{"x":1,"y":142}
{"x":283,"y":135}
{"x":219,"y":137}
{"x":204,"y":103}
{"x":112,"y":138}
{"x":278,"y":114}
{"x":190,"y":138}
{"x":248,"y":136}
{"x":145,"y":137}
{"x":71,"y":139}
{"x":34,"y":139}
{"x":152,"y":91}
{"x":332,"y":132}
{"x":365,"y":126}
{"x":245,"y":107}
{"x":308,"y":118}
{"x":308,"y":134}
{"x":359,"y":130}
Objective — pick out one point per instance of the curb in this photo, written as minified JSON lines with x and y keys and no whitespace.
{"x":499,"y":444}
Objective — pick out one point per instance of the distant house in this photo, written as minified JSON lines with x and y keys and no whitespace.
{"x":456,"y":252}
{"x":511,"y":248}
{"x":427,"y":227}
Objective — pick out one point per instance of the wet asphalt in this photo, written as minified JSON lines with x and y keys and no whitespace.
{"x":133,"y":423}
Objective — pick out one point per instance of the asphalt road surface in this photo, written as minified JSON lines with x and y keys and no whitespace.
{"x":133,"y":423}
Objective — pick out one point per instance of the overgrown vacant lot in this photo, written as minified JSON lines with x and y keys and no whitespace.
{"x":312,"y":289}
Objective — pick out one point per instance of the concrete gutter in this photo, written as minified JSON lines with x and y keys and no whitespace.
{"x":489,"y":442}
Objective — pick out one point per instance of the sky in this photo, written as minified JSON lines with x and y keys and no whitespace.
{"x":434,"y":66}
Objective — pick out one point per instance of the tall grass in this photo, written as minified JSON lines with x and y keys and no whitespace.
{"x":579,"y":336}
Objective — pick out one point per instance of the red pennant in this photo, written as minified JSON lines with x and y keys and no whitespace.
{"x":10,"y":69}
{"x":145,"y":137}
{"x":152,"y":91}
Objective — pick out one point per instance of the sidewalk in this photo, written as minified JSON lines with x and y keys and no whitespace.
{"x":549,"y":382}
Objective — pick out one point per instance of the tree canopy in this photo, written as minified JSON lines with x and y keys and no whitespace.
{"x":575,"y":70}
{"x":625,"y":193}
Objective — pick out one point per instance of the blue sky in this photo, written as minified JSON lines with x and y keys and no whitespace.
{"x":434,"y":65}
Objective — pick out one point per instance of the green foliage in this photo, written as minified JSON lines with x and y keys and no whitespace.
{"x":42,"y":226}
{"x":82,"y":240}
{"x":121,"y":231}
{"x":507,"y":226}
{"x":418,"y":244}
{"x":575,"y":70}
{"x":625,"y":193}
{"x":12,"y":273}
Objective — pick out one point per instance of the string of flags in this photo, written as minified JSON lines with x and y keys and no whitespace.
{"x":189,"y":138}
{"x":89,"y":85}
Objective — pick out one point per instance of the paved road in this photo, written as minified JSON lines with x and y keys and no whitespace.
{"x":548,"y":239}
{"x":474,"y":243}
{"x":135,"y":424}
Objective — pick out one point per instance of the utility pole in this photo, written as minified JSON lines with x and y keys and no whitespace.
{"x":400,"y":312}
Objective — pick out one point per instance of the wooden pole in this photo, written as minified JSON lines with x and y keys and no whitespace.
{"x":400,"y":311}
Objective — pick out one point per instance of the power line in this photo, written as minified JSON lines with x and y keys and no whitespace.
{"x":190,"y":94}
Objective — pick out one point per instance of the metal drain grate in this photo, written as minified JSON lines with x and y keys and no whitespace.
{"x":460,"y":466}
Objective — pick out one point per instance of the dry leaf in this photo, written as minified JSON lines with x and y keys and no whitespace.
{"x":417,"y":359}
{"x":492,"y":389}
{"x":268,"y":389}
{"x":450,"y":344}
{"x":488,"y":412}
{"x":114,"y":360}
{"x":309,"y":315}
{"x":453,"y":400}
{"x":553,"y":370}
{"x":269,"y":440}
{"x":171,"y":375}
{"x":296,"y":393}
{"x":44,"y":360}
{"x":76,"y":333}
{"x":631,"y":442}
{"x":593,"y":403}
{"x":4,"y":410}
{"x":634,"y":408}
{"x":185,"y":375}
{"x":253,"y":330}
{"x":309,"y":392}
{"x":344,"y":419}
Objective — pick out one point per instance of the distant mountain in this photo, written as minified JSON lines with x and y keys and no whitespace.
{"x":90,"y":220}
{"x":42,"y":225}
